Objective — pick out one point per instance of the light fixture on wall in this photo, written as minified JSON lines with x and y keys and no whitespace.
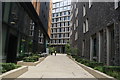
{"x":13,"y":22}
{"x":14,"y":18}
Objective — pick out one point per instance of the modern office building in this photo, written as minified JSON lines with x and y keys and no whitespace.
{"x":97,"y":32}
{"x":17,"y":19}
{"x":60,"y":29}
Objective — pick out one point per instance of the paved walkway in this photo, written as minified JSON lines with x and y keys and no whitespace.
{"x":59,"y":66}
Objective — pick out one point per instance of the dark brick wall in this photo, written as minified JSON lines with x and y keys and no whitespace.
{"x":100,"y":17}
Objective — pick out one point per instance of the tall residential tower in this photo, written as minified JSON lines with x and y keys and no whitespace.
{"x":60,"y":29}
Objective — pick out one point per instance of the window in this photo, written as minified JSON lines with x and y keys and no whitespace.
{"x":40,"y":40}
{"x":61,"y":9}
{"x":68,"y":23}
{"x":61,"y":4}
{"x":52,"y":20}
{"x":64,"y":13}
{"x":74,"y":6}
{"x":69,"y":7}
{"x":116,"y":4}
{"x":69,"y":2}
{"x":65,"y":8}
{"x":65,"y":18}
{"x":76,"y":13}
{"x":56,"y":19}
{"x":57,"y":10}
{"x":39,"y":34}
{"x":76,"y":36}
{"x":59,"y":35}
{"x":57,"y":4}
{"x":57,"y":15}
{"x":83,"y":47}
{"x":84,"y":11}
{"x":53,"y":5}
{"x":31,"y":33}
{"x":53,"y":10}
{"x":53,"y":15}
{"x":62,"y":24}
{"x":60,"y":13}
{"x":68,"y":12}
{"x":58,"y":24}
{"x":62,"y":19}
{"x":65,"y":3}
{"x":76,"y":22}
{"x":32,"y":27}
{"x":86,"y":25}
{"x":90,"y":3}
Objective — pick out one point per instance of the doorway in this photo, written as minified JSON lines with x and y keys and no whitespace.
{"x":110,"y":46}
{"x":12,"y":49}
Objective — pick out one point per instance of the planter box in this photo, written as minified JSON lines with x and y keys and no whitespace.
{"x":14,"y":73}
{"x":30,"y":63}
{"x":95,"y":73}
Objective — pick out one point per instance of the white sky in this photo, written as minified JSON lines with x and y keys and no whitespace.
{"x":56,"y":0}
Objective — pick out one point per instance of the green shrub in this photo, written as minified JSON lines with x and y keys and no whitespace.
{"x":114,"y":74}
{"x":111,"y":68}
{"x":99,"y":68}
{"x":95,"y":64}
{"x":8,"y":66}
{"x":84,"y":61}
{"x":31,"y":59}
{"x":21,"y":56}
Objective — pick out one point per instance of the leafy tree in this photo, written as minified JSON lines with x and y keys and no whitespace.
{"x":74,"y":51}
{"x":52,"y":49}
{"x":67,"y":48}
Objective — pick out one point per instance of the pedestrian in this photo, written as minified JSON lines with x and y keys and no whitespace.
{"x":55,"y":53}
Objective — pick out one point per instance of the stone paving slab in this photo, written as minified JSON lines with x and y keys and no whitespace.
{"x":57,"y":67}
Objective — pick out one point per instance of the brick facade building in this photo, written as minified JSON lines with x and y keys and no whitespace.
{"x":98,"y":32}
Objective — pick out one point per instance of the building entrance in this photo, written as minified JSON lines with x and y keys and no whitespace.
{"x":12,"y":49}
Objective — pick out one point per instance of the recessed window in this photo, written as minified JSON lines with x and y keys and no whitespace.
{"x":86,"y":25}
{"x":32,"y":27}
{"x":116,"y":4}
{"x":74,"y":6}
{"x":76,"y":22}
{"x":84,"y":29}
{"x":61,"y":4}
{"x":84,"y":11}
{"x":57,"y":5}
{"x":76,"y":36}
{"x":53,"y":10}
{"x":31,"y":33}
{"x":53,"y":5}
{"x":90,"y":3}
{"x":76,"y":13}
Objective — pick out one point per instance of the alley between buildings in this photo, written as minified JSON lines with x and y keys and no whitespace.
{"x":56,"y":67}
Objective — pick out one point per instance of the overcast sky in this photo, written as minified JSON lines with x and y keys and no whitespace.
{"x":56,"y":0}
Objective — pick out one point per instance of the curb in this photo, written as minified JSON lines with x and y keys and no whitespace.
{"x":14,"y":73}
{"x":95,"y":73}
{"x":30,"y":63}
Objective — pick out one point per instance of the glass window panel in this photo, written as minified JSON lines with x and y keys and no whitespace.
{"x":53,"y":10}
{"x":57,"y":5}
{"x":61,"y":4}
{"x":53,"y":5}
